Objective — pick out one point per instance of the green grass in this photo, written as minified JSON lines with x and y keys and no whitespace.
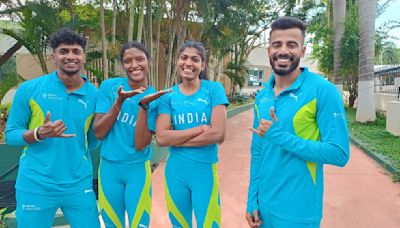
{"x":373,"y":135}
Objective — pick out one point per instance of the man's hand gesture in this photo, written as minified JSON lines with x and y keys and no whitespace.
{"x":265,"y":125}
{"x":253,"y":220}
{"x":53,"y":129}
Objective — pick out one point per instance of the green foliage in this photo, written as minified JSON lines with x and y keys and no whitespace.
{"x":4,"y":110}
{"x":375,"y":137}
{"x":7,"y":82}
{"x":322,"y":40}
{"x":240,"y":99}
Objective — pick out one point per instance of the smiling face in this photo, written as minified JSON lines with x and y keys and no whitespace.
{"x":69,"y":58}
{"x":190,"y":64}
{"x":285,"y":50}
{"x":135,"y":64}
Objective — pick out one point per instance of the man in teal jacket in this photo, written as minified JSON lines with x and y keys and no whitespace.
{"x":52,"y":117}
{"x":299,"y":125}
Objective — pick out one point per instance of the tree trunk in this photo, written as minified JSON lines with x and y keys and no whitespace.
{"x":339,"y":12}
{"x":140,"y":22}
{"x":131,"y":22}
{"x":103,"y":41}
{"x":113,"y":32}
{"x":366,"y":104}
{"x":9,"y":53}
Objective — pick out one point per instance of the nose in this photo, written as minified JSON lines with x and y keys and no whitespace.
{"x":134,"y":64}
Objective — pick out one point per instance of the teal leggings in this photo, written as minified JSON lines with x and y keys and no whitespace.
{"x":38,"y":211}
{"x":125,"y":187}
{"x":271,"y":221}
{"x":192,"y":186}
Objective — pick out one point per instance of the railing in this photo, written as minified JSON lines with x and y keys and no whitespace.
{"x":387,"y":80}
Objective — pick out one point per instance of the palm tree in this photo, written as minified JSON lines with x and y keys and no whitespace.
{"x":103,"y":41}
{"x":366,"y":104}
{"x":339,"y":12}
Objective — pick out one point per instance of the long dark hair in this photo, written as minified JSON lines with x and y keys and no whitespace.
{"x":201,"y":51}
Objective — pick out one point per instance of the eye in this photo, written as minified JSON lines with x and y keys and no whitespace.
{"x":183,"y":57}
{"x":196,"y":59}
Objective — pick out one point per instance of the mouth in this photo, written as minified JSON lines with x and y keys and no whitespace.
{"x":283,"y":61}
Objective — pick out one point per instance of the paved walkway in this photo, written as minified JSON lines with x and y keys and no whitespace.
{"x":361,"y":195}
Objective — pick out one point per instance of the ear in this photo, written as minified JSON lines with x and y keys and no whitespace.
{"x":203,"y":66}
{"x":303,"y":51}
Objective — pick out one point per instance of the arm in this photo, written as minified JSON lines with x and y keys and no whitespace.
{"x":93,"y":142}
{"x":255,"y":163}
{"x":16,"y":132}
{"x":167,"y":137}
{"x":216,"y":132}
{"x":143,"y":135}
{"x":145,"y":120}
{"x":333,"y":145}
{"x":104,"y":122}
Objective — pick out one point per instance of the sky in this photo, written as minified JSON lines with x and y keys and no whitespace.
{"x":391,"y":13}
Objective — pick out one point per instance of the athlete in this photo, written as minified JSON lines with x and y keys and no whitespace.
{"x":299,"y":125}
{"x":191,"y":121}
{"x":124,"y":172}
{"x":52,"y":117}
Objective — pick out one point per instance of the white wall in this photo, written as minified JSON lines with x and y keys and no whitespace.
{"x":382,"y":99}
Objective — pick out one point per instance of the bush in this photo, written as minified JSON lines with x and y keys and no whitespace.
{"x":4,"y":110}
{"x":239,"y":99}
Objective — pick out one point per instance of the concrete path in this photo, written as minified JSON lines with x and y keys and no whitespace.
{"x":361,"y":195}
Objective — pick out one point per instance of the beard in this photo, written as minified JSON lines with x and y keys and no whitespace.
{"x":294,"y":63}
{"x":70,"y":72}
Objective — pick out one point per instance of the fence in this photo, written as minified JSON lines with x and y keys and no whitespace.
{"x":387,"y":79}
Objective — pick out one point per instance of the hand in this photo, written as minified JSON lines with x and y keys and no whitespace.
{"x":53,"y":129}
{"x":122,"y":95}
{"x":204,"y":128}
{"x":254,"y":220}
{"x":151,"y":97}
{"x":265,"y":125}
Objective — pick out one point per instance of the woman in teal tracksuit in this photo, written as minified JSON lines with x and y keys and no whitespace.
{"x":124,"y":172}
{"x":191,"y":121}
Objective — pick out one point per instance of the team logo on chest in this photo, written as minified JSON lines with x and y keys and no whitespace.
{"x":188,"y":118}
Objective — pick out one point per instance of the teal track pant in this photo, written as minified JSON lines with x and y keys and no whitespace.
{"x":192,"y":186}
{"x":125,"y":187}
{"x":38,"y":211}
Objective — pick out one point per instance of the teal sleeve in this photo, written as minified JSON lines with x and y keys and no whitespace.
{"x":18,"y":118}
{"x":218,"y":95}
{"x":152,"y":115}
{"x":255,"y":163}
{"x":103,"y":101}
{"x":164,"y":106}
{"x":93,"y":142}
{"x":333,"y":146}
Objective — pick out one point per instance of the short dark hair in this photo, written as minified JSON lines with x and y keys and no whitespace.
{"x":288,"y":23}
{"x":66,"y":36}
{"x":134,"y":44}
{"x":201,"y":51}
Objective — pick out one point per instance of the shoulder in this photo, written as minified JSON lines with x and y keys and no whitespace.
{"x":323,"y":87}
{"x":33,"y":84}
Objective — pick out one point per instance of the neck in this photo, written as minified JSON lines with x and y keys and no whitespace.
{"x":71,"y":82}
{"x":190,"y":87}
{"x":282,"y":82}
{"x":136,"y":85}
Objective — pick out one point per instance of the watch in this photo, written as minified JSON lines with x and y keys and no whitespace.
{"x":144,"y":106}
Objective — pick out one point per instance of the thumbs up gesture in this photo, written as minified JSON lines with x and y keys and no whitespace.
{"x":265,"y":125}
{"x":53,"y":129}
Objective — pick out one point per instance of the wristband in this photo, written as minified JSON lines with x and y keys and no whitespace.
{"x":35,"y":135}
